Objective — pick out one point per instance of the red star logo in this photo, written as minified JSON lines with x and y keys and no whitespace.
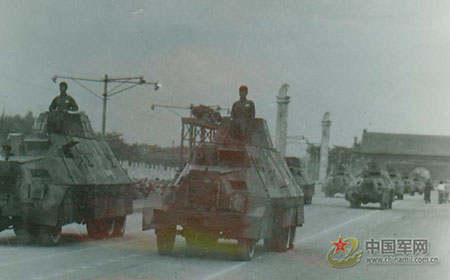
{"x":340,"y":245}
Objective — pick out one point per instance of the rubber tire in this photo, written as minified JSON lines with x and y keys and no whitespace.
{"x":392,"y":200}
{"x":165,"y":240}
{"x":100,"y":228}
{"x":355,"y":204}
{"x":292,"y":234}
{"x":120,"y":225}
{"x":50,"y":236}
{"x":328,"y":194}
{"x":246,"y":249}
{"x":26,"y":234}
{"x":281,"y":242}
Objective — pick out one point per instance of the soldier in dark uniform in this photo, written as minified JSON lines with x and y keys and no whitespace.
{"x":242,"y":113}
{"x":243,"y":109}
{"x":63,"y":102}
{"x":427,"y":191}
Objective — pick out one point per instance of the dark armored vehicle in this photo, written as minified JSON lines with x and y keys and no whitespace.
{"x":371,"y":185}
{"x":307,"y":185}
{"x":418,"y":185}
{"x":419,"y":176}
{"x":58,"y":175}
{"x":337,"y":182}
{"x":407,"y":182}
{"x":236,"y":187}
{"x":398,"y":182}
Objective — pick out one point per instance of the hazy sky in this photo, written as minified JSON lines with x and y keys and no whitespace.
{"x":376,"y":64}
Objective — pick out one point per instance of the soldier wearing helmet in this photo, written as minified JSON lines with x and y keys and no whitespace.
{"x":63,"y":102}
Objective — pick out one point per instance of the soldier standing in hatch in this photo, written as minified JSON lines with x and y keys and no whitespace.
{"x":63,"y":102}
{"x":243,"y":109}
{"x":242,"y":112}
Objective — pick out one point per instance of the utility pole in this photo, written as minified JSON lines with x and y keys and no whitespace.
{"x":131,"y":82}
{"x":105,"y":101}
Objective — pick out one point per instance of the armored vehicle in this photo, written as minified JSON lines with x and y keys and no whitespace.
{"x":407,"y":182}
{"x":419,"y":176}
{"x":418,"y":185}
{"x":235,"y":187}
{"x":307,"y":185}
{"x":61,"y":174}
{"x":399,"y":184}
{"x":337,"y":182}
{"x":371,"y":185}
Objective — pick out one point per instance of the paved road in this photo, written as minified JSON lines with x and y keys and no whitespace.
{"x":134,"y":256}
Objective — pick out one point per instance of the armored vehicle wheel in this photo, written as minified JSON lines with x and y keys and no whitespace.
{"x":49,"y":236}
{"x":165,"y":240}
{"x":355,"y":204}
{"x":386,"y":200}
{"x":119,"y":226}
{"x":281,"y":241}
{"x":329,"y":194}
{"x":293,"y":230}
{"x":246,"y":249}
{"x":391,"y":200}
{"x":385,"y":205}
{"x":100,"y":228}
{"x":25,"y":234}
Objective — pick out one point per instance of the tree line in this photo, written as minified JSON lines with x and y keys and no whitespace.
{"x":133,"y":153}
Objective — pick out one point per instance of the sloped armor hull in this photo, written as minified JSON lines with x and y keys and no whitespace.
{"x":237,"y":187}
{"x":58,"y":175}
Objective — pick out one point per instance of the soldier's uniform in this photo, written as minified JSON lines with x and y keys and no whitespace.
{"x":63,"y":103}
{"x":427,"y":192}
{"x":243,"y":110}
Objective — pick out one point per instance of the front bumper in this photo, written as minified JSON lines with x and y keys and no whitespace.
{"x":229,"y":225}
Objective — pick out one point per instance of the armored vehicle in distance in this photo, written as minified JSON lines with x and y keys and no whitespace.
{"x":235,"y":187}
{"x":399,"y":184}
{"x":307,"y":185}
{"x":337,"y":182}
{"x":418,"y":185}
{"x":371,"y":185}
{"x":419,"y":176}
{"x":58,"y":175}
{"x":407,"y":182}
